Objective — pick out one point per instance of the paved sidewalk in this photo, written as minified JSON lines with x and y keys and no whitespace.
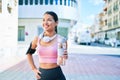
{"x":11,"y":56}
{"x":78,"y":67}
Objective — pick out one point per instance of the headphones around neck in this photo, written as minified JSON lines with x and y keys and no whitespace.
{"x":47,"y":38}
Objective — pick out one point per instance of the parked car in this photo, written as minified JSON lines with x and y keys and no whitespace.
{"x":117,"y":43}
{"x":101,"y":40}
{"x":112,"y":42}
{"x":107,"y":41}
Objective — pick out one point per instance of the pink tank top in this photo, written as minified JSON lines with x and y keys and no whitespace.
{"x":47,"y":54}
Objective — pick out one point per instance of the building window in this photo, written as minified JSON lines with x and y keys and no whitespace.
{"x":60,"y":2}
{"x":20,"y":2}
{"x":21,"y":33}
{"x":51,"y":2}
{"x":105,"y":22}
{"x":75,"y":3}
{"x":41,"y":2}
{"x":0,"y":6}
{"x":109,"y":1}
{"x":72,"y":3}
{"x":31,"y":2}
{"x":39,"y":30}
{"x":26,"y":2}
{"x":115,"y":20}
{"x":110,"y":10}
{"x":63,"y":31}
{"x":115,"y":7}
{"x":65,"y":2}
{"x":69,"y":2}
{"x":110,"y":23}
{"x":56,"y":2}
{"x":46,"y":2}
{"x":119,"y":16}
{"x":36,"y":2}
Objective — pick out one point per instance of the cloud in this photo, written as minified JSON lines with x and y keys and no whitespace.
{"x":96,"y":2}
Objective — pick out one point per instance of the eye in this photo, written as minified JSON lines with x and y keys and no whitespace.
{"x":43,"y":20}
{"x":50,"y":20}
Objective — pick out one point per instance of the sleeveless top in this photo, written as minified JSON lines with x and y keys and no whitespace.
{"x":47,"y":54}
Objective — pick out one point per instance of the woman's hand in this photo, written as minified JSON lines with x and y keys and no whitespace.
{"x":37,"y":73}
{"x":65,"y":55}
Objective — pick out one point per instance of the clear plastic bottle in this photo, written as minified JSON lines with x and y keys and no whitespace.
{"x":61,"y":48}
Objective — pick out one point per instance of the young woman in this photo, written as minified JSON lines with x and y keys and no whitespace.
{"x":46,"y":46}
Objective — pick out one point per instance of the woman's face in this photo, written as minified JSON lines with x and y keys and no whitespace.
{"x":49,"y":23}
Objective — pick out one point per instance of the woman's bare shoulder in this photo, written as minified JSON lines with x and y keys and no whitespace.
{"x":35,"y":40}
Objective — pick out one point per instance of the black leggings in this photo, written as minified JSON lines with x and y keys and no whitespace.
{"x":52,"y":74}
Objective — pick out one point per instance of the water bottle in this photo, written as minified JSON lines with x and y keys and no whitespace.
{"x":61,"y":48}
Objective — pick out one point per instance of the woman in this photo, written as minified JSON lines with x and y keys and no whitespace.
{"x":46,"y":46}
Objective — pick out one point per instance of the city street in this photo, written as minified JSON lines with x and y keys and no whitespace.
{"x":92,"y":22}
{"x":84,"y":63}
{"x":103,"y":45}
{"x":94,"y":48}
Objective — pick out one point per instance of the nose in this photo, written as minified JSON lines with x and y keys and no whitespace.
{"x":45,"y":22}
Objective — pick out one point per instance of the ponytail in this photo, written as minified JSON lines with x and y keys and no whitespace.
{"x":56,"y":29}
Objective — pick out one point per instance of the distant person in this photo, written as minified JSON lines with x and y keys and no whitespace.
{"x":51,"y":49}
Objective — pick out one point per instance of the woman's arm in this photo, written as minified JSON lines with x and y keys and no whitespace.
{"x":31,"y":61}
{"x":29,"y":53}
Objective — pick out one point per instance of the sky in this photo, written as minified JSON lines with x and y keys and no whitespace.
{"x":89,"y":9}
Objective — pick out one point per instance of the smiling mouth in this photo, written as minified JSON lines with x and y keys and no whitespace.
{"x":46,"y":26}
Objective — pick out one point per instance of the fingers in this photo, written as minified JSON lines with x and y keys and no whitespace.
{"x":60,"y":60}
{"x":38,"y":76}
{"x":65,"y":56}
{"x":37,"y":73}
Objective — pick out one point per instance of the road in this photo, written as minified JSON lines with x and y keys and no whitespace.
{"x":94,"y":48}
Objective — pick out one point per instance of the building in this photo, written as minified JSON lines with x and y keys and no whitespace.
{"x":112,"y":10}
{"x":0,"y":6}
{"x":109,"y":21}
{"x":8,"y":23}
{"x":8,"y":29}
{"x":100,"y":27}
{"x":31,"y":12}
